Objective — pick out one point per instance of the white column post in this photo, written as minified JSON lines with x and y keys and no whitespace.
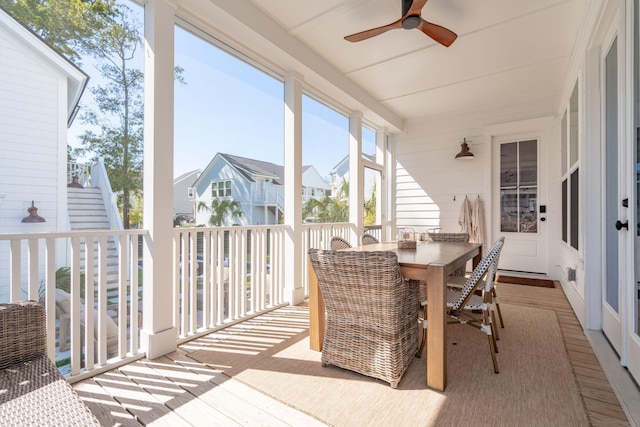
{"x":383,"y":202}
{"x":356,"y":177}
{"x":390,"y":174}
{"x":294,"y":290}
{"x":159,"y":334}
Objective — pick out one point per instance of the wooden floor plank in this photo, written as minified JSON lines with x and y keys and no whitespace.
{"x":176,"y":394}
{"x":177,"y":390}
{"x":259,"y":400}
{"x":145,"y":407}
{"x":106,"y":409}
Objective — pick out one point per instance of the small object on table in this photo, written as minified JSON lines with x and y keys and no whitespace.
{"x":407,"y":238}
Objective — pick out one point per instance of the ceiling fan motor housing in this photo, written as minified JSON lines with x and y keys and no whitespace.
{"x":411,"y":22}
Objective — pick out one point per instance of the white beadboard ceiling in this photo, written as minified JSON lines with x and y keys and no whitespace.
{"x":510,"y":55}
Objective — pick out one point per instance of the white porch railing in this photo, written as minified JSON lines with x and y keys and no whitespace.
{"x":222,"y":275}
{"x":230,"y":274}
{"x":67,"y":272}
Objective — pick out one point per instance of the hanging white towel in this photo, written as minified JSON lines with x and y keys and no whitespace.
{"x":478,"y":227}
{"x":465,"y":217}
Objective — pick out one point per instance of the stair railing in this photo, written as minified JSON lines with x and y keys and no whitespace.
{"x":100,"y":179}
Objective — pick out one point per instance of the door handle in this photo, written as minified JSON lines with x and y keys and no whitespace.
{"x":620,"y":225}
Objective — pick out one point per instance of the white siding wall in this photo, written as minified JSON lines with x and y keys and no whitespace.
{"x":29,"y":136}
{"x":311,"y":178}
{"x":33,"y":99}
{"x":240,"y":188}
{"x":430,"y":184}
{"x":181,"y":201}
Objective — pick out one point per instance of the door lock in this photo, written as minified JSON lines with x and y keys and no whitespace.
{"x":620,"y":225}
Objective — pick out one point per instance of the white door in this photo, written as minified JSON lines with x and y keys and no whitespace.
{"x":615,"y":212}
{"x":620,"y":296}
{"x":518,"y":195}
{"x":633,"y":354}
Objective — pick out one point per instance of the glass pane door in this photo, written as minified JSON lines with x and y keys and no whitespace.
{"x":519,"y":186}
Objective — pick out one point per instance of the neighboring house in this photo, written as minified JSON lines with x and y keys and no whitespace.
{"x":184,"y":199}
{"x":340,"y":172}
{"x":314,"y":186}
{"x":39,"y":94}
{"x":257,"y":186}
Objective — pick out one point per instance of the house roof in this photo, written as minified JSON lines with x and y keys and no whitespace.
{"x":194,"y":174}
{"x":76,"y":78}
{"x":346,"y":159}
{"x":252,"y":168}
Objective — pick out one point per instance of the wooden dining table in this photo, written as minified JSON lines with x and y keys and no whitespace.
{"x":429,"y":261}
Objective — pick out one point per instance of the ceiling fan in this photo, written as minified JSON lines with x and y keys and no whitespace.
{"x":411,"y":18}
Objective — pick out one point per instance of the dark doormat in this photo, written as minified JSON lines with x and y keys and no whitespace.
{"x":525,"y":281}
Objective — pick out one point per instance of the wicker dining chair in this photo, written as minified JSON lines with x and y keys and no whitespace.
{"x":368,"y":239}
{"x":463,"y":305}
{"x":486,"y":285}
{"x":32,"y":389}
{"x":370,"y":313}
{"x":338,"y":243}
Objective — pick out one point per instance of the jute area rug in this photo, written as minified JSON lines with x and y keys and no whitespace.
{"x":535,"y":386}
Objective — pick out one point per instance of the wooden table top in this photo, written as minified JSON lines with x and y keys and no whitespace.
{"x":425,"y":253}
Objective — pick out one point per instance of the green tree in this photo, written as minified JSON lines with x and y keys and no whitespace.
{"x":65,"y":24}
{"x":370,"y":208}
{"x":116,"y":127}
{"x":219,"y":209}
{"x":328,"y":209}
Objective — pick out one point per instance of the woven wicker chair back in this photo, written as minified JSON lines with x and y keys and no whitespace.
{"x":449,"y":237}
{"x":338,"y":243}
{"x":371,"y":312}
{"x":23,"y":333}
{"x":368,"y":239}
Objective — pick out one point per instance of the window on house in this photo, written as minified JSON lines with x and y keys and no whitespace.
{"x":190,"y":192}
{"x":570,"y":171}
{"x":221,"y":189}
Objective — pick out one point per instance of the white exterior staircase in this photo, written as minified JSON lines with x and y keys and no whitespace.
{"x":87,"y":212}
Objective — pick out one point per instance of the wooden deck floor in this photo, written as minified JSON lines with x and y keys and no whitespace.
{"x":175,"y":390}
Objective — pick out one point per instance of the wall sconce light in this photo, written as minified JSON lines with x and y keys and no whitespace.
{"x":74,"y":182}
{"x":464,"y":153}
{"x":33,"y":214}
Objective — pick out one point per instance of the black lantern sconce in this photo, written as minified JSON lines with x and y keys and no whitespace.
{"x":464,"y":153}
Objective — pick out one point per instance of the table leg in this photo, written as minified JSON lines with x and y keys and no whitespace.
{"x":437,"y":329}
{"x":477,"y":258}
{"x":316,"y":312}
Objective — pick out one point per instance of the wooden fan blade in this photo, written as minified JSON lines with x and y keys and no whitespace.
{"x":416,"y":8}
{"x":363,"y":35}
{"x":440,"y":34}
